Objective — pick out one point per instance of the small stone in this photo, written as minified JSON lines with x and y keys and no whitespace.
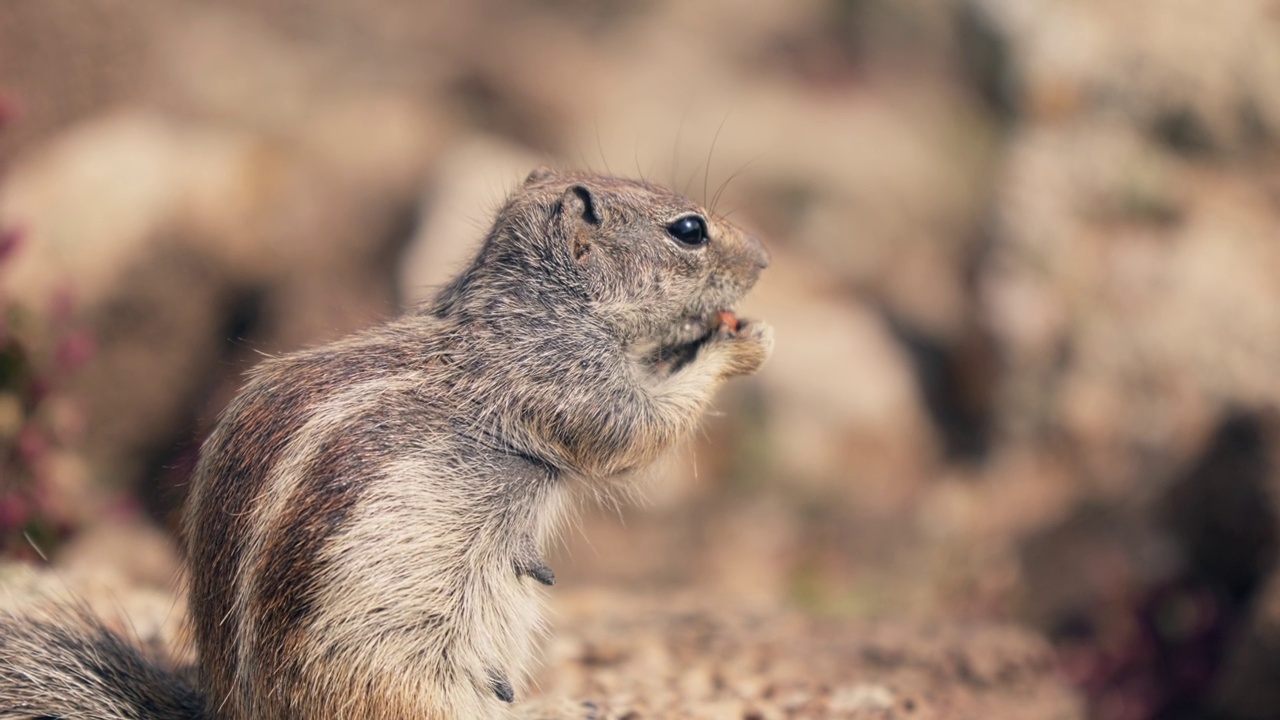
{"x":861,"y":697}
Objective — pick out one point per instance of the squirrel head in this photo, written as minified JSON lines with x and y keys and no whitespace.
{"x":651,"y":265}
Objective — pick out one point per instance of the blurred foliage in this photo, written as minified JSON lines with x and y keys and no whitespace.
{"x":37,"y":354}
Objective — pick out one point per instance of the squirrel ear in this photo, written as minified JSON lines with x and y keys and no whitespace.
{"x":578,"y":202}
{"x":540,"y":173}
{"x":578,"y":206}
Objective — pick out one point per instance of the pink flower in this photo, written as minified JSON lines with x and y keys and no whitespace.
{"x":14,"y":511}
{"x":10,"y":110}
{"x":10,"y":241}
{"x":75,"y":350}
{"x":32,"y":444}
{"x":62,"y":304}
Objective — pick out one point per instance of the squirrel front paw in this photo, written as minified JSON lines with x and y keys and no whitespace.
{"x":742,"y":346}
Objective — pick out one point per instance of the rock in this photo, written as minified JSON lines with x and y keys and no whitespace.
{"x":1198,"y":75}
{"x":1130,"y":288}
{"x":1132,"y":293}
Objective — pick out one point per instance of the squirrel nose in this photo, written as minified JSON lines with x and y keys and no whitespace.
{"x":759,"y":251}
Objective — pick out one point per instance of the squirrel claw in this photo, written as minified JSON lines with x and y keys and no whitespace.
{"x":501,"y":686}
{"x":537,"y":570}
{"x":542,"y":574}
{"x":528,"y":562}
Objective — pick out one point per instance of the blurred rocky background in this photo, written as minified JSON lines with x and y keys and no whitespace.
{"x":1026,"y":286}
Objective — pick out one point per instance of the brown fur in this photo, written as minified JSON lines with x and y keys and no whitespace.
{"x":364,"y":525}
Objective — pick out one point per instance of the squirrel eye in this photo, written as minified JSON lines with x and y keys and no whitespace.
{"x":690,"y":230}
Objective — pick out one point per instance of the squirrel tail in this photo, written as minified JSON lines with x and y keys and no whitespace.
{"x":71,"y":666}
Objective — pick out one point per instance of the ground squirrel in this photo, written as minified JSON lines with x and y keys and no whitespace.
{"x":363,"y":528}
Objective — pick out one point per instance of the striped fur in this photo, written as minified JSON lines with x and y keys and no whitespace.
{"x":61,"y":662}
{"x":364,"y":525}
